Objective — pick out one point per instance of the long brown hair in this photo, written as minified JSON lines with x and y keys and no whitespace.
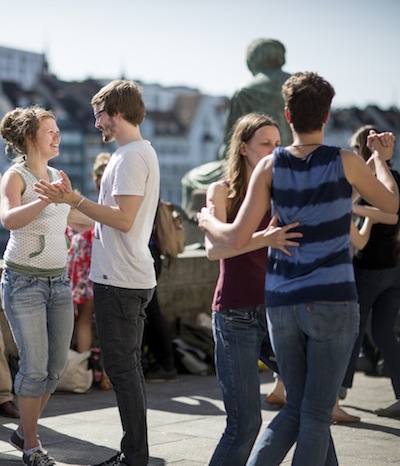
{"x":243,"y":131}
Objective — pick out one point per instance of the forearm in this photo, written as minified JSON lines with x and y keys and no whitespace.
{"x":21,"y":216}
{"x":78,"y":218}
{"x":111,"y":216}
{"x":384,"y":175}
{"x":219,"y":233}
{"x":376,"y":215}
{"x":360,"y":238}
{"x":216,"y":251}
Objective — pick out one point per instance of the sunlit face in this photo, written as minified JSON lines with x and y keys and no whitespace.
{"x":263,"y":142}
{"x":105,"y":124}
{"x":47,"y":141}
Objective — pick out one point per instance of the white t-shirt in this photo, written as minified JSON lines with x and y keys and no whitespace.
{"x":124,"y":259}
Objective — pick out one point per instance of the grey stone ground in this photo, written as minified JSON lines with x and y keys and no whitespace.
{"x":186,"y":419}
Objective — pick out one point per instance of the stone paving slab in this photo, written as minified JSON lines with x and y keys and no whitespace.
{"x":186,"y":419}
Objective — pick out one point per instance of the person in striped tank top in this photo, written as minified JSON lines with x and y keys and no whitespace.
{"x":311,"y":296}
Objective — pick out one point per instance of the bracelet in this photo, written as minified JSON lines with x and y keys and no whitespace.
{"x":80,"y":203}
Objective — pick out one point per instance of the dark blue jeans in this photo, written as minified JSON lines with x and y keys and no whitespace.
{"x":120,"y":315}
{"x":379,"y":293}
{"x":238,"y":336}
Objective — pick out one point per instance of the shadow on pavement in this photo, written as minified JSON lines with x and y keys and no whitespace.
{"x":66,"y":449}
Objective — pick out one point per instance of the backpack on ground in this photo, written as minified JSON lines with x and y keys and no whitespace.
{"x":169,"y":231}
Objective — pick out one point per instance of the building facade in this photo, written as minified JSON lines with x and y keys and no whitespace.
{"x":185,"y":127}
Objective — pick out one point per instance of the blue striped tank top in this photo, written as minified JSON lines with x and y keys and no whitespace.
{"x":313,"y":191}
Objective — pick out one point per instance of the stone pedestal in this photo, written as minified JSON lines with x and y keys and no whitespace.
{"x":186,"y":286}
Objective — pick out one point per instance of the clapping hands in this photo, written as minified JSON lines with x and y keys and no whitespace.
{"x":58,"y":191}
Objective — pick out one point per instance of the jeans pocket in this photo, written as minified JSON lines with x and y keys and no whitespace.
{"x":18,"y":282}
{"x":327,"y":319}
{"x":241,"y":316}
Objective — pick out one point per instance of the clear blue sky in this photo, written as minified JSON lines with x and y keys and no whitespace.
{"x":202,"y":43}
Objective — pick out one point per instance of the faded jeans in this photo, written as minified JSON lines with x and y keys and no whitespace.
{"x":238,"y":336}
{"x":40,"y":313}
{"x":312,"y":343}
{"x":120,"y":315}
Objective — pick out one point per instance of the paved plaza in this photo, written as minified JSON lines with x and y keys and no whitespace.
{"x":186,"y":419}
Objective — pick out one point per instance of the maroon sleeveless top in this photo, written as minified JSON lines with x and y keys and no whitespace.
{"x":241,"y":280}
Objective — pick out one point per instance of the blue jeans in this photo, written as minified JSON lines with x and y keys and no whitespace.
{"x":40,"y":313}
{"x":238,"y":336}
{"x":120,"y":315}
{"x":379,"y":293}
{"x":312,"y":343}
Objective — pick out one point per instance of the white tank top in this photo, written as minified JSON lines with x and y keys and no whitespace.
{"x":41,"y":247}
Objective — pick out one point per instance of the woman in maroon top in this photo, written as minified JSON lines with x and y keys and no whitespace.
{"x":239,"y":321}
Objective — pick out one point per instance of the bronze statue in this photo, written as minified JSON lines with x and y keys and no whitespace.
{"x":265,"y":58}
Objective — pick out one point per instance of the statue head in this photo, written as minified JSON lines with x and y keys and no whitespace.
{"x":265,"y":53}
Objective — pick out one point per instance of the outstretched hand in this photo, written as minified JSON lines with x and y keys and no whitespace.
{"x":280,"y":237}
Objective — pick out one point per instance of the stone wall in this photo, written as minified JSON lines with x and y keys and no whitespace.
{"x":186,"y":286}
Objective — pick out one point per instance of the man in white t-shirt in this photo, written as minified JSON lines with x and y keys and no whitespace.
{"x":122,"y":267}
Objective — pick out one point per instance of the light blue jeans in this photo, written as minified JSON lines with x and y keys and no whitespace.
{"x":40,"y":313}
{"x":312,"y":343}
{"x":238,"y":336}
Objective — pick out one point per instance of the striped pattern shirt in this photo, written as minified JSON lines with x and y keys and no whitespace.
{"x":313,"y":191}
